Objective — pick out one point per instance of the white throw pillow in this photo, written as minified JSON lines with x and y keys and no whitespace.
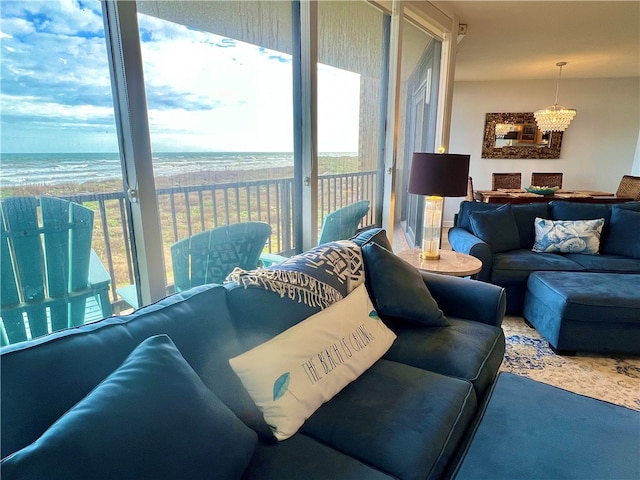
{"x":568,"y":236}
{"x":293,"y":374}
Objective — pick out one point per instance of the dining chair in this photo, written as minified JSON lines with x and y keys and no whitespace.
{"x":470,"y":191}
{"x":629,"y":187}
{"x":341,"y":224}
{"x":209,"y":256}
{"x":546,"y":179}
{"x":50,"y":277}
{"x":506,"y":180}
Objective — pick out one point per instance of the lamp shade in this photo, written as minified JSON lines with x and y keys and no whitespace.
{"x":441,"y":174}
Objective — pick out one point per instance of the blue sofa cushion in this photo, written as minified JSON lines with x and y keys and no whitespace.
{"x":303,"y":457}
{"x":514,"y":267}
{"x":633,"y":206}
{"x":151,"y":418}
{"x":402,"y":420}
{"x":606,"y":263}
{"x":405,"y":297}
{"x":373,"y":235}
{"x":497,"y":228}
{"x":624,"y":233}
{"x":563,"y":210}
{"x":581,"y":297}
{"x":466,"y":349}
{"x":466,"y":208}
{"x":525,"y":215}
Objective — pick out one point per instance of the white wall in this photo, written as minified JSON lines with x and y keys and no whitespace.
{"x":600,"y":145}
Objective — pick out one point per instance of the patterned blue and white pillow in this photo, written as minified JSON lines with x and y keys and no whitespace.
{"x":567,"y":236}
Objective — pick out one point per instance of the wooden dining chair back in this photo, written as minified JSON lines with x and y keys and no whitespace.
{"x":209,"y":256}
{"x":506,"y":180}
{"x":50,"y":279}
{"x":629,"y":187}
{"x":470,"y":192}
{"x":546,"y":179}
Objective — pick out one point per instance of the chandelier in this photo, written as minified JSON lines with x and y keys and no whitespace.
{"x":502,"y":129}
{"x":555,"y":118}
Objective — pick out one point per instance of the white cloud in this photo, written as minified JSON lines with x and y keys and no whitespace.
{"x":204,"y":92}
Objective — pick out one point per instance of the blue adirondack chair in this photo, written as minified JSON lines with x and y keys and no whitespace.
{"x":208,"y":257}
{"x":341,"y":224}
{"x":50,"y":277}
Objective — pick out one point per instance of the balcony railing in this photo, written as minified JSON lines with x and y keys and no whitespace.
{"x":185,"y":210}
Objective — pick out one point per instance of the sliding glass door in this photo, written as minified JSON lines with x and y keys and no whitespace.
{"x":351,"y":68}
{"x":419,"y":98}
{"x":218,"y":80}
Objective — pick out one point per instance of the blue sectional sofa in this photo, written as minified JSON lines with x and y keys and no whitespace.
{"x":153,"y":394}
{"x":502,"y":237}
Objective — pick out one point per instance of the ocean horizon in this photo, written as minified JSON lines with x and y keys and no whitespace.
{"x":22,"y":169}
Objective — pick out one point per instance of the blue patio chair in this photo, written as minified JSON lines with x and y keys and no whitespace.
{"x":208,"y":257}
{"x":50,"y":277}
{"x":341,"y":224}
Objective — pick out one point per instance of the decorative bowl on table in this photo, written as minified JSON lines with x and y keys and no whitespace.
{"x":544,"y":190}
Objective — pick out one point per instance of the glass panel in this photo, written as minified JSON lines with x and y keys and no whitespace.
{"x":350,"y":98}
{"x":417,"y":117}
{"x":59,"y":140}
{"x":218,"y":81}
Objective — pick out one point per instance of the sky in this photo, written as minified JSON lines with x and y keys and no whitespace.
{"x":224,"y":95}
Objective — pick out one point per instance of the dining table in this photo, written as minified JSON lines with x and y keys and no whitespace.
{"x":517,"y":195}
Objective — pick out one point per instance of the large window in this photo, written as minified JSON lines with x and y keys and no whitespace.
{"x":350,"y":102}
{"x":218,"y":80}
{"x":205,"y":108}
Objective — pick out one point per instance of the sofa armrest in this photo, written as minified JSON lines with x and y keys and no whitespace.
{"x":468,"y":299}
{"x":465,"y":242}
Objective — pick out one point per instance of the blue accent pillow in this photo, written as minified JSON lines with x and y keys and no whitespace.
{"x":568,"y":236}
{"x":525,"y":214}
{"x":397,"y":290}
{"x":623,"y":237}
{"x":497,"y":228}
{"x":151,"y":418}
{"x":566,"y":210}
{"x":373,"y":235}
{"x":635,"y":206}
{"x":467,"y":207}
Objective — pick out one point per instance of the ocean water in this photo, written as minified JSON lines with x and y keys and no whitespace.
{"x":17,"y":169}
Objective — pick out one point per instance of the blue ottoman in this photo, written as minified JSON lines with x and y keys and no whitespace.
{"x":530,"y":430}
{"x":589,"y":312}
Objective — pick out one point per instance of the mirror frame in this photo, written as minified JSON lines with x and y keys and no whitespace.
{"x":489,"y":150}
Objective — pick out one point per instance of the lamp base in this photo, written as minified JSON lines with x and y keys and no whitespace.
{"x":430,"y":256}
{"x":431,"y":227}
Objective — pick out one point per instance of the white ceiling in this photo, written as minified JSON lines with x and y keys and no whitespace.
{"x":511,"y":40}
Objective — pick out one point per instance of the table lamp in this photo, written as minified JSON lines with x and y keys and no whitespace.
{"x":436,"y":175}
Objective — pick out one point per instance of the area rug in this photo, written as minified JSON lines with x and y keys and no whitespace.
{"x":613,"y":378}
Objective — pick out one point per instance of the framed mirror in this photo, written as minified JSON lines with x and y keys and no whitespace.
{"x":516,"y":135}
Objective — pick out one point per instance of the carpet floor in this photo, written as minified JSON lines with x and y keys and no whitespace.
{"x":615,"y":378}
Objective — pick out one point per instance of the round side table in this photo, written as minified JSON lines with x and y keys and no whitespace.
{"x":450,"y":263}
